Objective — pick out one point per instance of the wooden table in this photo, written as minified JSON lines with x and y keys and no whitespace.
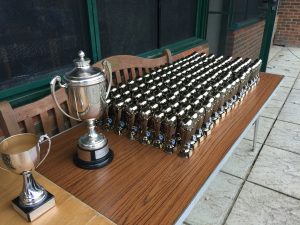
{"x":68,"y":210}
{"x":143,"y":185}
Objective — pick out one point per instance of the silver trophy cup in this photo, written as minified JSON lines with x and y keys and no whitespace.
{"x":86,"y":89}
{"x":20,"y":154}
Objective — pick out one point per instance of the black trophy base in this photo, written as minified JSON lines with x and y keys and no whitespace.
{"x":96,"y":163}
{"x":30,"y":213}
{"x":169,"y":149}
{"x":216,"y":119}
{"x":186,"y":153}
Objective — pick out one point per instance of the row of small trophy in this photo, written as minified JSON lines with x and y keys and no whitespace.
{"x":176,"y":106}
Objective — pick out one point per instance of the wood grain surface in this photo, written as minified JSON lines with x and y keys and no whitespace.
{"x":143,"y":185}
{"x":68,"y":209}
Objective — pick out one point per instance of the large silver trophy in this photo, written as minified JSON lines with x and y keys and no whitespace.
{"x":86,"y":89}
{"x":20,"y":154}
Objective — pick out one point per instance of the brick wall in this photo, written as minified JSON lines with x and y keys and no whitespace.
{"x":288,"y":24}
{"x":245,"y":42}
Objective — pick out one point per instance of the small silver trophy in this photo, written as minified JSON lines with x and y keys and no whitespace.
{"x":131,"y":114}
{"x":158,"y":136}
{"x":207,"y":119}
{"x":170,"y":124}
{"x":119,"y":124}
{"x":186,"y":132}
{"x":20,"y":154}
{"x":145,"y":135}
{"x":86,"y":89}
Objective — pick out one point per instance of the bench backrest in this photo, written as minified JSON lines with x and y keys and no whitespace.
{"x":126,"y":67}
{"x":38,"y":117}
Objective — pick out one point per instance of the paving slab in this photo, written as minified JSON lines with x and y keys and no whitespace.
{"x":292,"y":54}
{"x":290,"y":113}
{"x":274,"y":50}
{"x":294,"y":96}
{"x":257,"y":205}
{"x":241,"y":160}
{"x":297,"y":84}
{"x":265,"y":125}
{"x":282,"y":62}
{"x":288,"y":82}
{"x":216,"y":201}
{"x":281,"y":94}
{"x":272,"y":109}
{"x":294,"y":50}
{"x":277,"y":169}
{"x":281,"y":69}
{"x":285,"y":135}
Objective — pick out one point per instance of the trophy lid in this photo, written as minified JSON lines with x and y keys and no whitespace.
{"x":132,"y":109}
{"x":83,"y":74}
{"x":146,"y":113}
{"x":187,"y":123}
{"x":171,"y":120}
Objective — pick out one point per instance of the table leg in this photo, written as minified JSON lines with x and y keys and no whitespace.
{"x":256,"y":125}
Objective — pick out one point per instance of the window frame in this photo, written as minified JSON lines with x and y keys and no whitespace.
{"x":26,"y":93}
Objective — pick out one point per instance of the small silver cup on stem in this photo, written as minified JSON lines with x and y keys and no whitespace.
{"x":21,"y":154}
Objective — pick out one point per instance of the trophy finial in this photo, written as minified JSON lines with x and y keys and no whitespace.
{"x":80,"y":62}
{"x":81,"y":55}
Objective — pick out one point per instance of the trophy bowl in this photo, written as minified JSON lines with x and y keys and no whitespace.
{"x":21,"y":154}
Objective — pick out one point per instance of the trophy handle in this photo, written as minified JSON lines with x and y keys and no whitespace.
{"x":106,"y":64}
{"x":55,"y":80}
{"x":41,"y":140}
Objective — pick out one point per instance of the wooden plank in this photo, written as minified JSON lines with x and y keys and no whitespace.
{"x":118,"y":77}
{"x":29,"y":125}
{"x":140,"y":71}
{"x":120,"y":62}
{"x":133,"y":74}
{"x":200,"y":48}
{"x":46,"y":123}
{"x":143,"y":184}
{"x":8,"y":122}
{"x":126,"y":75}
{"x":59,"y":118}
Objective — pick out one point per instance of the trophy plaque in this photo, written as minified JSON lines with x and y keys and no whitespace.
{"x":86,"y":89}
{"x":20,"y":154}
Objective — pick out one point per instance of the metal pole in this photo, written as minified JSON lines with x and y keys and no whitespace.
{"x":256,"y":125}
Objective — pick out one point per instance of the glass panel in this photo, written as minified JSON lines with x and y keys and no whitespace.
{"x":177,"y":20}
{"x":244,"y":10}
{"x":127,"y":26}
{"x":239,"y":11}
{"x":39,"y":36}
{"x":255,"y":9}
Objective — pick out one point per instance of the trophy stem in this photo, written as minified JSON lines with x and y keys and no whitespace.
{"x":32,"y":192}
{"x":92,"y":149}
{"x":92,"y":134}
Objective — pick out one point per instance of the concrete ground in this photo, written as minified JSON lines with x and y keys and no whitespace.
{"x":262,"y":187}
